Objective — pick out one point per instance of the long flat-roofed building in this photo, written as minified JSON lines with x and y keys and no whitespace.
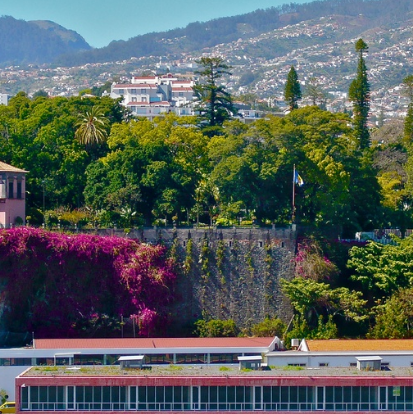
{"x":215,"y":389}
{"x":212,"y":374}
{"x":344,"y":353}
{"x":106,"y":351}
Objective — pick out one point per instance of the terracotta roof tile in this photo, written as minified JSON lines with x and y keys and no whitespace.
{"x":149,"y":104}
{"x":181,"y":89}
{"x":343,"y":345}
{"x":135,"y":86}
{"x":102,"y":343}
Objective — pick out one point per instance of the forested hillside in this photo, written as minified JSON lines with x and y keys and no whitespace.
{"x":197,"y":36}
{"x":35,"y":42}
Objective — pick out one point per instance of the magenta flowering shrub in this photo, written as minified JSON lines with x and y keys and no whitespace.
{"x":76,"y":285}
{"x":311,"y":263}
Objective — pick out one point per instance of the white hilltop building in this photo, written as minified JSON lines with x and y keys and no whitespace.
{"x":152,"y":96}
{"x":4,"y":99}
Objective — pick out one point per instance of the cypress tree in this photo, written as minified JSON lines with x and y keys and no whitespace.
{"x":359,"y":94}
{"x":408,"y":121}
{"x":408,"y":125}
{"x":292,"y":90}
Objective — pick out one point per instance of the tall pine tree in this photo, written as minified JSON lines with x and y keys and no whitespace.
{"x":359,"y":94}
{"x":292,"y":90}
{"x":214,"y":103}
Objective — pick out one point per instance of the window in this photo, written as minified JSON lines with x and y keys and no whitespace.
{"x":16,"y":362}
{"x":121,"y":91}
{"x":143,"y":90}
{"x":323,"y":364}
{"x":19,"y":190}
{"x":11,"y":190}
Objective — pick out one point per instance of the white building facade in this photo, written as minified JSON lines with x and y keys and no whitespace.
{"x":152,"y":96}
{"x":4,"y":99}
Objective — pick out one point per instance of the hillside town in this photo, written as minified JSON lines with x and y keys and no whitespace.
{"x":332,"y":66}
{"x":225,"y":230}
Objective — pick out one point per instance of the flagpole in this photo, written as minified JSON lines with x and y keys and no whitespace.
{"x":293,"y":213}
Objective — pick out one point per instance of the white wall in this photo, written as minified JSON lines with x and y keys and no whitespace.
{"x":343,"y":360}
{"x":7,"y":376}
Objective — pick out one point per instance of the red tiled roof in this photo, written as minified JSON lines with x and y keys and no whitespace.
{"x":124,"y":86}
{"x":134,"y":86}
{"x":149,"y":104}
{"x":138,"y":103}
{"x":359,"y":345}
{"x":103,"y":343}
{"x":182,"y":89}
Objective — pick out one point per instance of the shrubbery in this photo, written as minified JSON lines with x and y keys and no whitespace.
{"x":79,"y":285}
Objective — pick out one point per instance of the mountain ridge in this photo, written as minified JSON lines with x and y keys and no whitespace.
{"x":36,"y":42}
{"x":197,"y":36}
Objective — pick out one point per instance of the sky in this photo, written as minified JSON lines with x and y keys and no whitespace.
{"x":101,"y":21}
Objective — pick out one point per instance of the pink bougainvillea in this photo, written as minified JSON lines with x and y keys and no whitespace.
{"x":311,"y":263}
{"x":75,"y":285}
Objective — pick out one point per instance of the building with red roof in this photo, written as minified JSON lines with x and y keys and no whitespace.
{"x":106,"y":351}
{"x":152,"y":96}
{"x":208,"y":374}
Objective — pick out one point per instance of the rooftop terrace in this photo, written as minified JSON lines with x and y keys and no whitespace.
{"x":209,"y":370}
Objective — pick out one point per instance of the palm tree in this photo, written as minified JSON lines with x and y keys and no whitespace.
{"x":91,"y":126}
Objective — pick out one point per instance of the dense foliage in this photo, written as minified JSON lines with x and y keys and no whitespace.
{"x":70,"y":285}
{"x":169,"y":169}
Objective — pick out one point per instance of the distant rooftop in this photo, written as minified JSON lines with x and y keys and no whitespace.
{"x":10,"y":168}
{"x":152,"y":343}
{"x":359,"y":345}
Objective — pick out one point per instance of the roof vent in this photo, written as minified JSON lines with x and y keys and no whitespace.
{"x":131,"y":361}
{"x":369,"y":363}
{"x":295,"y":343}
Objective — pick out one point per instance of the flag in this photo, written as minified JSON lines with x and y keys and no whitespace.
{"x":298,"y":180}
